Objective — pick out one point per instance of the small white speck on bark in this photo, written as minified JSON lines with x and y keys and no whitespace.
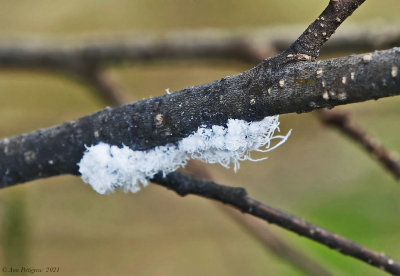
{"x":367,"y":58}
{"x":342,"y":96}
{"x":395,"y":71}
{"x":159,"y":119}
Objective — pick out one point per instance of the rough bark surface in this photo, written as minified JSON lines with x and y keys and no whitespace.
{"x":273,"y":87}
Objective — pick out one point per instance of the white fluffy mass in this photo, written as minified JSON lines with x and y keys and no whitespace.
{"x":107,"y":167}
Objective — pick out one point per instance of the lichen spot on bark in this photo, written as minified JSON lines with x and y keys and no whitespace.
{"x":367,"y":58}
{"x":29,"y":156}
{"x":395,"y":71}
{"x":159,"y":119}
{"x":303,"y":81}
{"x":325,"y":96}
{"x":342,"y":96}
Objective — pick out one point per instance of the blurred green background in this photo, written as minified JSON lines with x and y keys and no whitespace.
{"x":318,"y":174}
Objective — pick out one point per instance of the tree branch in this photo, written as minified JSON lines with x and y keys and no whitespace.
{"x":261,"y":232}
{"x":342,"y":121}
{"x":311,"y":41}
{"x":101,"y":83}
{"x":271,"y":88}
{"x":237,"y":197}
{"x":282,"y":248}
{"x":249,"y":46}
{"x":178,"y":45}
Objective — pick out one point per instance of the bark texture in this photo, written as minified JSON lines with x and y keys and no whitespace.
{"x":271,"y":88}
{"x":276,"y":86}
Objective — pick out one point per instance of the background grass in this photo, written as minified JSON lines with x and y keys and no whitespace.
{"x":318,"y":174}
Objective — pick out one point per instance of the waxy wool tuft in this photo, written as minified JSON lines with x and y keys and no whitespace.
{"x":107,"y":167}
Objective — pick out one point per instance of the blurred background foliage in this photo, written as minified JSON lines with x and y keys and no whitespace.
{"x":318,"y":174}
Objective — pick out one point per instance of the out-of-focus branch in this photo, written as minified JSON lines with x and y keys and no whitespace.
{"x":343,"y":122}
{"x":247,"y":45}
{"x":237,"y":197}
{"x":275,"y":244}
{"x":261,"y":232}
{"x":100,"y":82}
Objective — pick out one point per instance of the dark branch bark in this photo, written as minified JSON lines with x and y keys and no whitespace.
{"x":342,"y":121}
{"x":238,"y":198}
{"x":268,"y":89}
{"x":311,"y":41}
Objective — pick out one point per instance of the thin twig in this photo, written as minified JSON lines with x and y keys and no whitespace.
{"x":275,"y":244}
{"x":237,"y":197}
{"x":101,"y":83}
{"x":201,"y":44}
{"x":311,"y":41}
{"x":260,"y":231}
{"x":343,"y":122}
